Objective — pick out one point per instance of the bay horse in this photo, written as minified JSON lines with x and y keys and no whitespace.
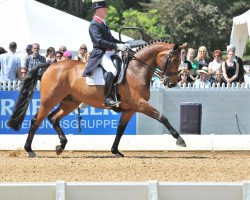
{"x":62,"y":83}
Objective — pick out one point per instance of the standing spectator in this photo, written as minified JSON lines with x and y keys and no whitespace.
{"x":59,"y":56}
{"x":230,"y":68}
{"x":237,"y":59}
{"x":194,"y":63}
{"x":2,"y":50}
{"x":203,"y":80}
{"x":82,"y":54}
{"x":202,"y":57}
{"x":62,"y":48}
{"x":50,"y":55}
{"x":29,"y":49}
{"x":10,"y":63}
{"x":183,"y":75}
{"x":35,"y":58}
{"x":218,"y":80}
{"x":215,"y":65}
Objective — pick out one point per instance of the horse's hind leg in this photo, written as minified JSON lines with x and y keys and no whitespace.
{"x":65,"y":107}
{"x":147,"y":109}
{"x":35,"y":123}
{"x":125,"y":117}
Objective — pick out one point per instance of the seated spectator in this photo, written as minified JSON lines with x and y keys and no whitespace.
{"x":194,"y":63}
{"x":183,"y":75}
{"x":202,"y":57}
{"x":50,"y":55}
{"x":59,"y":56}
{"x":203,"y":80}
{"x":21,"y":73}
{"x":82,"y":54}
{"x":215,"y":65}
{"x":230,"y":68}
{"x":67,"y":55}
{"x":185,"y":64}
{"x":62,"y":48}
{"x":237,"y":59}
{"x":9,"y":63}
{"x":218,"y":80}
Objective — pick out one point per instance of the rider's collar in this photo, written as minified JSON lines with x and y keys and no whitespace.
{"x":99,"y":19}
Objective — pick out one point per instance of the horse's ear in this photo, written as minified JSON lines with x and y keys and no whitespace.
{"x":183,"y":46}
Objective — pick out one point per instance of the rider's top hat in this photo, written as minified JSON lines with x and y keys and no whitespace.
{"x":98,"y":4}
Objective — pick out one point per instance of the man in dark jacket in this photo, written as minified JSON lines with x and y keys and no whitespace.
{"x":104,"y":45}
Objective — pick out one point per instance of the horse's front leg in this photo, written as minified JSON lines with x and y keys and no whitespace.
{"x":125,"y":117}
{"x":147,"y":109}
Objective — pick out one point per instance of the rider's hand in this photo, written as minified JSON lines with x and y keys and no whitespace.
{"x":121,"y":47}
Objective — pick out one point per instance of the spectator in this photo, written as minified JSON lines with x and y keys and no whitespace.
{"x":185,"y":64}
{"x":2,"y":50}
{"x":82,"y":54}
{"x":62,"y":48}
{"x":203,"y":80}
{"x":194,"y":63}
{"x":10,"y":63}
{"x":50,"y":55}
{"x":67,"y":55}
{"x":59,"y":56}
{"x":237,"y":59}
{"x":218,"y":80}
{"x":29,"y":49}
{"x":21,"y":73}
{"x":35,"y":58}
{"x":183,"y":75}
{"x":215,"y":65}
{"x":230,"y":68}
{"x":202,"y":57}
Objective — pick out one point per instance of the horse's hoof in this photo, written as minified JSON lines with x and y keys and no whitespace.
{"x":59,"y":150}
{"x":180,"y":142}
{"x":32,"y":154}
{"x":117,"y":153}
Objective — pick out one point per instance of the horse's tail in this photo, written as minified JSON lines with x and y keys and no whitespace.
{"x":25,"y":96}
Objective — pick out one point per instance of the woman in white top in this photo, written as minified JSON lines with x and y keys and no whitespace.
{"x":215,"y":65}
{"x":203,"y":80}
{"x":83,"y":54}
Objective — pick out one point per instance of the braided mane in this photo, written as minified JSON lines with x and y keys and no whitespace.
{"x":149,"y":43}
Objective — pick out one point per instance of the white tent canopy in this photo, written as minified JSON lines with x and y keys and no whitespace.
{"x":240,"y":32}
{"x":28,"y":21}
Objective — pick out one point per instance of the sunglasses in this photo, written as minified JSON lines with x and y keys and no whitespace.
{"x":218,"y":74}
{"x":184,"y":74}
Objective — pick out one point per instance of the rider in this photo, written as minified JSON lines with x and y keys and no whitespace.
{"x":104,"y":45}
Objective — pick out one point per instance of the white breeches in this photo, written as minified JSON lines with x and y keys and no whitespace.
{"x":107,"y":63}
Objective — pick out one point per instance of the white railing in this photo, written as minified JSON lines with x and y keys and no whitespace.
{"x":151,"y":190}
{"x":14,"y":85}
{"x":213,"y":86}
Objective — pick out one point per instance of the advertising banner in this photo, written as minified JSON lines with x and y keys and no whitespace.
{"x":94,"y":121}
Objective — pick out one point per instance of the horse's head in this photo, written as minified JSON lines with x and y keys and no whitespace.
{"x":168,"y":62}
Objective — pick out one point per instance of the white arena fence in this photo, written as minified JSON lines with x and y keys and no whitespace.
{"x":151,"y":190}
{"x":16,"y":85}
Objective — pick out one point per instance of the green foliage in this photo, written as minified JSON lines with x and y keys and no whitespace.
{"x":149,"y":22}
{"x":247,"y":49}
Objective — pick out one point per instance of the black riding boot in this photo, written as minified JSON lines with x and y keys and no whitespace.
{"x":109,"y":78}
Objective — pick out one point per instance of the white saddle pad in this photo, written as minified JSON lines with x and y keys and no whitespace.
{"x":96,"y":78}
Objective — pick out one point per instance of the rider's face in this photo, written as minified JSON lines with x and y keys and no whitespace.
{"x":103,"y":12}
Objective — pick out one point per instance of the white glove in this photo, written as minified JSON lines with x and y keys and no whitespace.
{"x":122,"y":47}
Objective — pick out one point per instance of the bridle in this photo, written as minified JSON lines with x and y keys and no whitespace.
{"x":164,"y":74}
{"x":165,"y":71}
